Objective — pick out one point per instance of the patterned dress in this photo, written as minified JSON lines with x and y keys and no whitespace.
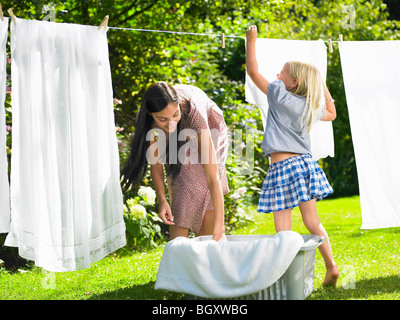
{"x":189,"y":191}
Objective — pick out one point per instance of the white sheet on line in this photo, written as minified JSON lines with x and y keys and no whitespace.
{"x":4,"y":185}
{"x":370,"y":71}
{"x":66,"y":200}
{"x":271,"y":55}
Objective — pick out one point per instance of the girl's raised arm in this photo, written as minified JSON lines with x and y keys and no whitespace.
{"x":251,"y":60}
{"x":330,"y":110}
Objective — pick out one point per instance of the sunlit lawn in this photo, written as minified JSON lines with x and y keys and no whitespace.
{"x":368,"y":261}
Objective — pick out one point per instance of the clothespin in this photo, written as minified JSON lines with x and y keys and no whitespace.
{"x":1,"y":13}
{"x":341,"y":39}
{"x":104,"y":23}
{"x":11,"y":13}
{"x":330,"y":46}
{"x":223,"y":40}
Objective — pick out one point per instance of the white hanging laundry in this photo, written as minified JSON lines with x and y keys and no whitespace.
{"x":271,"y":55}
{"x":4,"y":185}
{"x":370,"y":70}
{"x":66,"y":200}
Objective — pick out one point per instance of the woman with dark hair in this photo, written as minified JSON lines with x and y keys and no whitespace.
{"x":194,"y":154}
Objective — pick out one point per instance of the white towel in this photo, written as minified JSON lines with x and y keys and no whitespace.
{"x":271,"y":55}
{"x":4,"y":186}
{"x":226,"y":269}
{"x":66,"y":200}
{"x":370,"y":71}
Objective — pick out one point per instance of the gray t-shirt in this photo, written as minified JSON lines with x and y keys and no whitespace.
{"x":285,"y":131}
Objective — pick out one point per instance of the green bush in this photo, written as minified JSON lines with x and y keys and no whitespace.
{"x":143,"y":224}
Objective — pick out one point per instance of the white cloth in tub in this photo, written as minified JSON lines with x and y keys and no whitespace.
{"x":226,"y":269}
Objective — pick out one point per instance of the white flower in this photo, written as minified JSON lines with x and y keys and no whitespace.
{"x":131,"y":202}
{"x":138,"y":211}
{"x":235,"y":196}
{"x":242,"y":190}
{"x":148,"y":194}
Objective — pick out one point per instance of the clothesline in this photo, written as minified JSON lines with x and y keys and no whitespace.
{"x":188,"y":33}
{"x":104,"y":24}
{"x":223,"y":36}
{"x":178,"y":32}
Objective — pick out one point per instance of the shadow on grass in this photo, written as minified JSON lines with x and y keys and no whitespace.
{"x":364,"y":289}
{"x":138,"y":292}
{"x":382,"y":231}
{"x":129,"y":250}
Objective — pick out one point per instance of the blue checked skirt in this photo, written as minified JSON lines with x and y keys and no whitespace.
{"x":292,"y":181}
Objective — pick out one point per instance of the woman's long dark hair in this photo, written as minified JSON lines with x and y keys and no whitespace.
{"x":156,"y":98}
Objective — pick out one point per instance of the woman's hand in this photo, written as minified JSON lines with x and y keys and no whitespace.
{"x":219,"y":235}
{"x":251,"y":34}
{"x":165,"y":213}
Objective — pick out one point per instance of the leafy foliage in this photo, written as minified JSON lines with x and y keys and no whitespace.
{"x":142,"y":223}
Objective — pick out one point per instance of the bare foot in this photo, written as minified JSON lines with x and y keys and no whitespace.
{"x":331,"y":276}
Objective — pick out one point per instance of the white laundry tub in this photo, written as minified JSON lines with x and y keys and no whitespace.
{"x":298,"y":280}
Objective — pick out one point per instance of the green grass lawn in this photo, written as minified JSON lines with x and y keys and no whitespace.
{"x":367,"y":259}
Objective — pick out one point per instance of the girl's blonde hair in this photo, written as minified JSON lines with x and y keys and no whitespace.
{"x":309,"y":86}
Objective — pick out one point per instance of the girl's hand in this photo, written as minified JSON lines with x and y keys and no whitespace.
{"x":165,"y":213}
{"x":251,"y":60}
{"x":251,"y":33}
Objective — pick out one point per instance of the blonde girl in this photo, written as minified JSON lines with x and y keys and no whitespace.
{"x":294,"y":178}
